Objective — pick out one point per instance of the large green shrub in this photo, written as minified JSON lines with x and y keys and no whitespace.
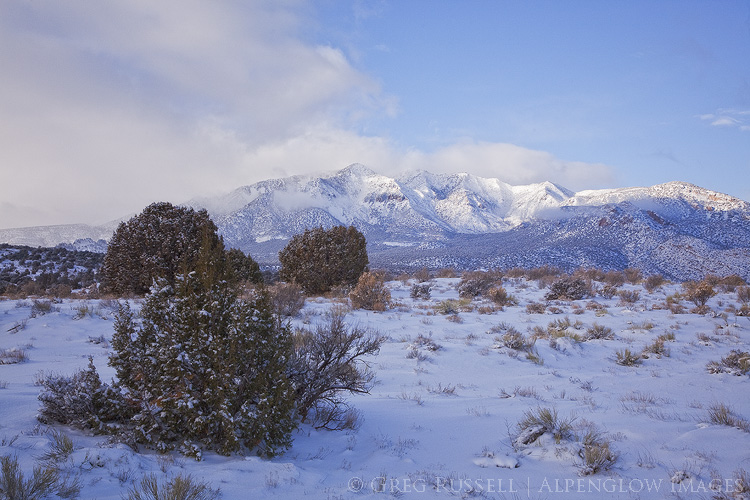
{"x":244,"y":267}
{"x":161,"y":242}
{"x":321,"y":259}
{"x":212,"y":364}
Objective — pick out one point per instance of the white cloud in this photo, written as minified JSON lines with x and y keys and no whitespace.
{"x":106,"y":107}
{"x":735,"y":118}
{"x":324,"y":150}
{"x":725,"y":121}
{"x":512,"y":164}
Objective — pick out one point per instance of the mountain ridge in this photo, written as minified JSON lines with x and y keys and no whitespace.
{"x":462,"y":220}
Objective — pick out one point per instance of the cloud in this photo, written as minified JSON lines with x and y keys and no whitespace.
{"x":513,"y":164}
{"x":106,"y":107}
{"x":110,"y":105}
{"x":734,"y":118}
{"x":324,"y":150}
{"x":725,"y":121}
{"x":292,"y":200}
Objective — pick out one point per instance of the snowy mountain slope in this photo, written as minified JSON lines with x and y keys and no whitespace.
{"x":412,"y":207}
{"x":471,"y":204}
{"x":676,"y":228}
{"x":428,"y":205}
{"x":354,"y":196}
{"x":695,"y":196}
{"x":80,"y":237}
{"x":611,"y":237}
{"x":50,"y":236}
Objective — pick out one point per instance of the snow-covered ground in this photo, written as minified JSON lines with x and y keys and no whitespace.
{"x":443,"y":419}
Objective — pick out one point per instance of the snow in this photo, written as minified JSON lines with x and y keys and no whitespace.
{"x":675,"y":190}
{"x":462,"y":203}
{"x":442,"y":423}
{"x":398,"y":244}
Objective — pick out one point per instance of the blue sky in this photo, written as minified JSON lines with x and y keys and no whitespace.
{"x":106,"y":107}
{"x":628,"y":84}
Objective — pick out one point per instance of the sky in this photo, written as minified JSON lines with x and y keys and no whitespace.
{"x":106,"y":107}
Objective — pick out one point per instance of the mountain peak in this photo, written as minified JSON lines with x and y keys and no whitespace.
{"x":673,"y":190}
{"x":356,"y":170}
{"x":687,"y":190}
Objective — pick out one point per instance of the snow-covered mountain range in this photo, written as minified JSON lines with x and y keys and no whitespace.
{"x":415,"y":205}
{"x":678,"y":229}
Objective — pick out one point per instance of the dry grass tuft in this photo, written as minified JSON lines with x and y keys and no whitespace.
{"x":736,"y":363}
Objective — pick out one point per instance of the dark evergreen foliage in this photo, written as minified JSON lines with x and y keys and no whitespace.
{"x":200,"y":368}
{"x":205,"y":368}
{"x":244,"y":267}
{"x":321,"y":259}
{"x":161,"y":242}
{"x":81,"y":401}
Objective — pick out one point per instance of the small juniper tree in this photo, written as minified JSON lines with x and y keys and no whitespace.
{"x":81,"y":401}
{"x":320,"y":259}
{"x":159,"y":242}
